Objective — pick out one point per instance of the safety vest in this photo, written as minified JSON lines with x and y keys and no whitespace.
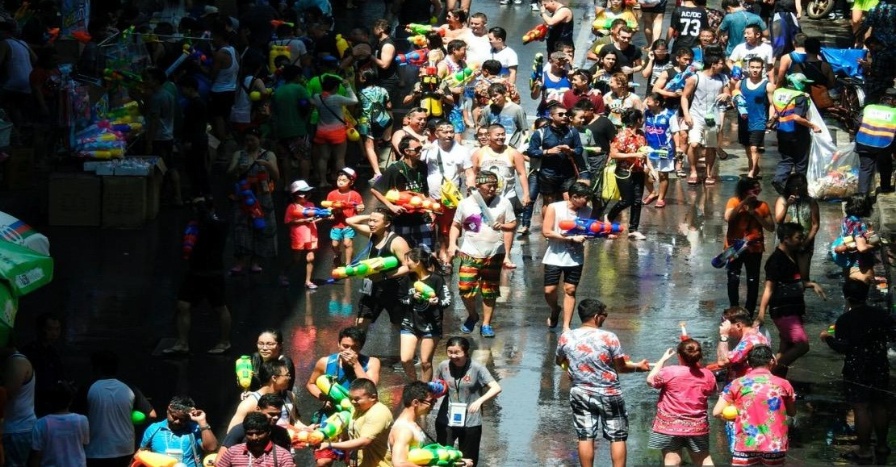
{"x":878,"y":126}
{"x":784,"y":100}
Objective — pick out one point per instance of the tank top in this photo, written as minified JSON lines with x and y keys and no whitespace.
{"x":390,"y":74}
{"x":705,"y":94}
{"x":502,"y":165}
{"x":757,"y":104}
{"x":560,"y":32}
{"x":20,"y":416}
{"x":560,"y":252}
{"x":226,"y":80}
{"x":336,"y":370}
{"x":553,"y":90}
{"x":17,"y":71}
{"x":801,"y":213}
{"x":419,"y":436}
{"x":241,"y":112}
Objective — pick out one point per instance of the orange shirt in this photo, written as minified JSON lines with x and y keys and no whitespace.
{"x":743,"y":224}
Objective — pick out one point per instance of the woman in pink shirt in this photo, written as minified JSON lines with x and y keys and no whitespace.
{"x":681,"y":413}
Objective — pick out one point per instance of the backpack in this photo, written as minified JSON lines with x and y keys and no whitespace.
{"x":380,"y":118}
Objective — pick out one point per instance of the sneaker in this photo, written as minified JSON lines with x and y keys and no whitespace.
{"x":504,"y":2}
{"x":468,"y":325}
{"x":636,"y":235}
{"x":486,"y":331}
{"x":523,"y":230}
{"x":534,"y":7}
{"x":176,"y":349}
{"x":517,"y":2}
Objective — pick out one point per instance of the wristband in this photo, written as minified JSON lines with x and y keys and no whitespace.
{"x":205,"y":427}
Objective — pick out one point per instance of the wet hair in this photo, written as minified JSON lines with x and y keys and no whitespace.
{"x":812,"y":46}
{"x":560,"y":45}
{"x":855,"y":291}
{"x":627,"y":29}
{"x":486,"y":176}
{"x":382,"y":24}
{"x":712,"y":59}
{"x":657,"y":97}
{"x":631,"y":117}
{"x":278,"y":336}
{"x":579,"y":189}
{"x":755,"y":27}
{"x":690,"y":352}
{"x":659,"y":43}
{"x":858,"y":206}
{"x":737,"y":314}
{"x":480,"y":15}
{"x":256,"y":421}
{"x":270,"y":369}
{"x":60,"y":396}
{"x":796,"y":184}
{"x":418,"y":390}
{"x":387,"y":214}
{"x":726,"y":4}
{"x":182,"y":404}
{"x":757,"y":59}
{"x":330,"y":83}
{"x":461,"y":342}
{"x":581,"y":73}
{"x":493,"y":67}
{"x":460,"y":14}
{"x":455,"y":45}
{"x":590,"y":307}
{"x":620,"y":78}
{"x":682,"y":51}
{"x":270,"y":400}
{"x":744,"y":185}
{"x":760,"y":356}
{"x":423,"y":255}
{"x":499,"y":88}
{"x":788,"y":229}
{"x":365,"y":385}
{"x":291,"y":72}
{"x":584,"y":104}
{"x":105,"y":362}
{"x":499,"y":33}
{"x":799,"y":39}
{"x":354,"y":333}
{"x":406,"y":143}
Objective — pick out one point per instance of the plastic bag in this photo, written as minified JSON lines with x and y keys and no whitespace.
{"x":833,"y":171}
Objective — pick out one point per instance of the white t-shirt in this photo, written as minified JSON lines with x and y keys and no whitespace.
{"x":480,"y":240}
{"x":562,"y":253}
{"x":507,"y":57}
{"x":110,"y":403}
{"x":61,"y":440}
{"x":454,"y":163}
{"x":743,"y":53}
{"x":478,"y":47}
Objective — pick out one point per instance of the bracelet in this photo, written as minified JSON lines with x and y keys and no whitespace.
{"x":206,"y":427}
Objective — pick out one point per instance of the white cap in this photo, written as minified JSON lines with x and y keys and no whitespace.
{"x":350,"y":173}
{"x":299,"y":185}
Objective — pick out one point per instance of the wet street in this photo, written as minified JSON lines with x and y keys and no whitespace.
{"x":116,"y":289}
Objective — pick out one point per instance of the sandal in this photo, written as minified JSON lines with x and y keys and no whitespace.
{"x":660,"y":204}
{"x":710,"y":181}
{"x":508,"y":265}
{"x":721,"y":153}
{"x":311,"y":286}
{"x":649,"y":199}
{"x":176,"y":349}
{"x":692,"y":180}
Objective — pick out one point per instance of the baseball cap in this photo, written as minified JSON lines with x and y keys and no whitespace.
{"x":299,"y":186}
{"x":350,"y":173}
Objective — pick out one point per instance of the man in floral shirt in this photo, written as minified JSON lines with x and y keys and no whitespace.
{"x":593,"y":359}
{"x":763,"y":402}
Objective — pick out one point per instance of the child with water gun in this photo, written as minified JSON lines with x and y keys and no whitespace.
{"x":302,"y":232}
{"x":425,"y":296}
{"x":345,"y":202}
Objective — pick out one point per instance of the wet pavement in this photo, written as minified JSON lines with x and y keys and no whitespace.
{"x":116,"y":289}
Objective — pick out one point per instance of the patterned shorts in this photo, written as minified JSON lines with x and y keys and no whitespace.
{"x":589,"y":410}
{"x":663,"y":442}
{"x":416,"y":235}
{"x":758,"y":458}
{"x":479,"y":275}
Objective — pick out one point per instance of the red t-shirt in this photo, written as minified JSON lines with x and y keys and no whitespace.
{"x":352,"y":198}
{"x":743,"y":224}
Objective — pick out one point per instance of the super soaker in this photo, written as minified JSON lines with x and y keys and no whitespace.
{"x":538,"y":33}
{"x":244,"y":372}
{"x":537,"y":69}
{"x":331,"y":428}
{"x":434,"y":454}
{"x":424,"y":29}
{"x":335,"y":392}
{"x":366,"y":267}
{"x":250,"y":205}
{"x":589,"y":227}
{"x":733,"y":252}
{"x":412,"y":201}
{"x":677,"y":83}
{"x":425,"y":291}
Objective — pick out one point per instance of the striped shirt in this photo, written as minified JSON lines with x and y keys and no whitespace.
{"x":239,"y":456}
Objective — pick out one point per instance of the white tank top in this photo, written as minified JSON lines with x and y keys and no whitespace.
{"x":560,"y":252}
{"x":226,"y":79}
{"x":241,"y":112}
{"x":502,"y":165}
{"x":20,"y":416}
{"x":18,"y":68}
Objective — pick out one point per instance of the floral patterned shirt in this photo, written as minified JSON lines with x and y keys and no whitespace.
{"x":681,"y":409}
{"x":627,"y":141}
{"x":591,"y":353}
{"x":761,"y":399}
{"x":737,"y":357}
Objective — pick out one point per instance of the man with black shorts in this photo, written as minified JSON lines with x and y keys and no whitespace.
{"x":408,"y":174}
{"x":753,"y":104}
{"x":203,"y":247}
{"x":566,"y":253}
{"x":861,"y":335}
{"x":559,"y":147}
{"x":596,"y":396}
{"x":380,"y":291}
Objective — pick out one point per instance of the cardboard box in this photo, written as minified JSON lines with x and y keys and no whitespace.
{"x":124,"y":202}
{"x":17,"y":169}
{"x":74,"y":199}
{"x":154,"y":178}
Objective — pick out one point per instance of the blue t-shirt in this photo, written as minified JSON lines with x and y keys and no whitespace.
{"x":735,"y":24}
{"x":160,"y":439}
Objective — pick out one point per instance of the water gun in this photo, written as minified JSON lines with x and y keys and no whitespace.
{"x":537,"y":69}
{"x":832,"y":330}
{"x":103,"y":146}
{"x":315,"y":213}
{"x":51,"y":35}
{"x":419,"y":41}
{"x":279,"y":22}
{"x":341,"y":45}
{"x":604,"y":23}
{"x":81,"y":36}
{"x":335,"y":392}
{"x":244,"y":372}
{"x":338,"y":204}
{"x":121,"y":126}
{"x":424,"y":29}
{"x":438,"y":387}
{"x":462,"y":77}
{"x":249,"y":204}
{"x":414,"y":58}
{"x":138,"y":417}
{"x":413,"y":201}
{"x":732,"y":252}
{"x":677,"y":83}
{"x":740,"y":102}
{"x":101,"y":154}
{"x":589,"y":227}
{"x":538,"y":33}
{"x":299,"y":438}
{"x":737,"y":72}
{"x":331,"y":428}
{"x":434,"y":454}
{"x":366,"y":267}
{"x":653,"y":153}
{"x":190,"y":235}
{"x":426,"y":292}
{"x":144,"y":458}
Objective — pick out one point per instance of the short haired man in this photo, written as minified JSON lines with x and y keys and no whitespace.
{"x":369,"y":429}
{"x":756,"y":91}
{"x":446,"y":160}
{"x":735,"y":21}
{"x":477,"y":38}
{"x":751,"y":47}
{"x":185,"y":433}
{"x":596,"y":395}
{"x":497,"y":37}
{"x":408,"y":174}
{"x":271,"y":405}
{"x":258,"y":450}
{"x":702,"y":92}
{"x":406,"y":433}
{"x":558,"y":147}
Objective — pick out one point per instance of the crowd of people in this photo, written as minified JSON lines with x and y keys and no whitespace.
{"x":287,"y":99}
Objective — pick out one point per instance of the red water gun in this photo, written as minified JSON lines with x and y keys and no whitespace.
{"x":411,"y":201}
{"x":413,"y":58}
{"x":538,"y":33}
{"x":249,"y":204}
{"x":191,"y":233}
{"x":589,"y":227}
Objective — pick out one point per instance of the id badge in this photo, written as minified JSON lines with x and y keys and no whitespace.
{"x":175,"y":453}
{"x":367,"y":286}
{"x":457,"y":414}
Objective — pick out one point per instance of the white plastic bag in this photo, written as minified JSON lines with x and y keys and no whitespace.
{"x":833,"y":171}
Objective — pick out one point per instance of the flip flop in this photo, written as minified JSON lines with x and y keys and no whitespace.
{"x":660,"y":204}
{"x":508,"y":265}
{"x":710,"y":181}
{"x":650,"y":198}
{"x":693,"y":180}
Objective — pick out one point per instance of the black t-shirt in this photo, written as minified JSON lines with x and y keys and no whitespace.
{"x":861,"y":334}
{"x":626,"y":57}
{"x":687,"y":22}
{"x":195,"y":121}
{"x":787,"y":298}
{"x":402,"y":177}
{"x":237,"y":435}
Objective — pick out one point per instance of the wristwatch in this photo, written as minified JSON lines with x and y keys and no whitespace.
{"x":205,"y":427}
{"x":723,"y":338}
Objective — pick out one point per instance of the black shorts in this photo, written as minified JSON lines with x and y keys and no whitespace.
{"x":749,"y":138}
{"x":165,"y":150}
{"x":659,"y":8}
{"x":554,"y":185}
{"x":196,"y":287}
{"x":571,"y":274}
{"x":220,"y":103}
{"x":383,"y":297}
